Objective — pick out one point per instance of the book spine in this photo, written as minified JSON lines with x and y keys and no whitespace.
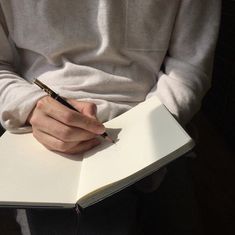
{"x":78,"y":209}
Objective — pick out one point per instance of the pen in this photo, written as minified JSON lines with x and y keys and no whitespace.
{"x":55,"y":96}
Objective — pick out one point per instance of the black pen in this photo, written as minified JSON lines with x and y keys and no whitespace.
{"x":55,"y":96}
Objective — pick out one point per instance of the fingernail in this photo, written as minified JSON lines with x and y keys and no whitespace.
{"x":100,"y":129}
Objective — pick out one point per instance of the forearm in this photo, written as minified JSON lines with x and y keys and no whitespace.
{"x":17,"y":96}
{"x":17,"y":99}
{"x":181,"y":88}
{"x":186,"y":76}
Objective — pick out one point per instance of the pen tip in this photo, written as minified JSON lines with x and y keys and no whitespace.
{"x":105,"y":136}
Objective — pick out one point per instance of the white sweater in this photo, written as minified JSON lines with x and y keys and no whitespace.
{"x":113,"y":53}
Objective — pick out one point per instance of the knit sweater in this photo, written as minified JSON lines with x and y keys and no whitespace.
{"x":113,"y":53}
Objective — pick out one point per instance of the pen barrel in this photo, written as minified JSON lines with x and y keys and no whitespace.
{"x":64,"y":102}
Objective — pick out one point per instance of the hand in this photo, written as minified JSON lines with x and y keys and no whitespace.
{"x":61,"y":129}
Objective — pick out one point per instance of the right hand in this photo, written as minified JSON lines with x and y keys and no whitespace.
{"x":61,"y":129}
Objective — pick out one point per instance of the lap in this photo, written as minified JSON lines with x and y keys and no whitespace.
{"x":115,"y":215}
{"x":171,"y":209}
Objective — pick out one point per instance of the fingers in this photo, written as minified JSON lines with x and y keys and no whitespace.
{"x":70,"y":117}
{"x":54,"y":144}
{"x":86,"y":108}
{"x":61,"y":129}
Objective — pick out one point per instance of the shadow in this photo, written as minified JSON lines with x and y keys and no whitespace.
{"x":8,"y":224}
{"x":73,"y":157}
{"x":2,"y":130}
{"x":113,"y":133}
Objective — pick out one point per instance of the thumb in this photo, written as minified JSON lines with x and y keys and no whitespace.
{"x":86,"y":108}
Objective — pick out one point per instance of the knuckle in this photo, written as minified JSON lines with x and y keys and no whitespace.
{"x":68,"y":117}
{"x":62,"y":146}
{"x":65,"y":133}
{"x":40,"y":104}
{"x":34,"y":120}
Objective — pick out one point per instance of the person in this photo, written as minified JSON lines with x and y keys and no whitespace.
{"x":104,"y":57}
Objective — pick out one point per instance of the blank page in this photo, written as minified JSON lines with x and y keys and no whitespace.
{"x":31,"y":174}
{"x":147,"y":133}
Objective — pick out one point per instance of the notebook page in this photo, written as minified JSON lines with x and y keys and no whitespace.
{"x":31,"y":174}
{"x":147,"y":133}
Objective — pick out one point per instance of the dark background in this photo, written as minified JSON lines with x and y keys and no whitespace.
{"x":213,"y":171}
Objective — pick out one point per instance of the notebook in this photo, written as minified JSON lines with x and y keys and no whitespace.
{"x":147,"y":138}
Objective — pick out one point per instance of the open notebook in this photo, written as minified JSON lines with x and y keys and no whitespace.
{"x":147,"y":138}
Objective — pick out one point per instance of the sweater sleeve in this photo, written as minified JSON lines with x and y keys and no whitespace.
{"x":17,"y":96}
{"x":186,"y":74}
